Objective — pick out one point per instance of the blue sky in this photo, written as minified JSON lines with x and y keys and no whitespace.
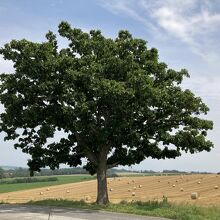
{"x":186,"y":33}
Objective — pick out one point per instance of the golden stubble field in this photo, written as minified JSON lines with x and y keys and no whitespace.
{"x":176,"y":188}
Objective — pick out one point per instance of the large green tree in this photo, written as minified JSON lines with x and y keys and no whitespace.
{"x":116,"y":102}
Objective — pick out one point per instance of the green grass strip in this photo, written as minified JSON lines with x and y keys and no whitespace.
{"x":150,"y":208}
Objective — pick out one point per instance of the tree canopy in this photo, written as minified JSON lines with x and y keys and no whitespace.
{"x":116,"y":102}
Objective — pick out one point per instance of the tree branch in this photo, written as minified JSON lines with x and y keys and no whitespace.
{"x":109,"y":166}
{"x":91,"y":156}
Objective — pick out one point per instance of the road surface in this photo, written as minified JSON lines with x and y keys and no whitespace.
{"x":22,"y":212}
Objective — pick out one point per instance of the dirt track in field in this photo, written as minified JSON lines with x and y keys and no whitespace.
{"x":121,"y":188}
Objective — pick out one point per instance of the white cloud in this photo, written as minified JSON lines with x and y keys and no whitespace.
{"x":190,"y":21}
{"x":126,"y":7}
{"x":204,"y":86}
{"x":190,"y":27}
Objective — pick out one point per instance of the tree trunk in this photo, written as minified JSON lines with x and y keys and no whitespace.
{"x":102,"y":191}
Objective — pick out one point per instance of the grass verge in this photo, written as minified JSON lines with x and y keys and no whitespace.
{"x":60,"y":180}
{"x":150,"y":208}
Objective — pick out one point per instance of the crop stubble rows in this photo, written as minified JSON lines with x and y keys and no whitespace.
{"x":121,"y":188}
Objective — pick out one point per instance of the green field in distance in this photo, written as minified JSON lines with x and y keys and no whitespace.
{"x":61,"y":180}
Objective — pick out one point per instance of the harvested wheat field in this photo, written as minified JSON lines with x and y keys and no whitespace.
{"x":179,"y":189}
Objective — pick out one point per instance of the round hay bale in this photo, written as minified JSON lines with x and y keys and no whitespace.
{"x":129,"y":190}
{"x":181,"y":190}
{"x":194,"y":195}
{"x":110,"y":189}
{"x":133,"y":193}
{"x":133,"y":181}
{"x":198,"y":182}
{"x":48,"y":189}
{"x":216,"y":187}
{"x":67,"y":191}
{"x":140,"y":186}
{"x":87,"y":198}
{"x":135,"y":188}
{"x":128,"y":183}
{"x":176,"y":181}
{"x":41,"y":193}
{"x":174,"y":185}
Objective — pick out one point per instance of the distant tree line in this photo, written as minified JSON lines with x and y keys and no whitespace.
{"x":1,"y":173}
{"x":184,"y":172}
{"x":28,"y":180}
{"x":24,"y":172}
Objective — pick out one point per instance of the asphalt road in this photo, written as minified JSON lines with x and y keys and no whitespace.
{"x":20,"y":212}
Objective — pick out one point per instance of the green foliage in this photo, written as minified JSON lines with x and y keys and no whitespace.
{"x":112,"y":97}
{"x":1,"y":173}
{"x":28,"y":180}
{"x":149,"y":208}
{"x":24,"y":172}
